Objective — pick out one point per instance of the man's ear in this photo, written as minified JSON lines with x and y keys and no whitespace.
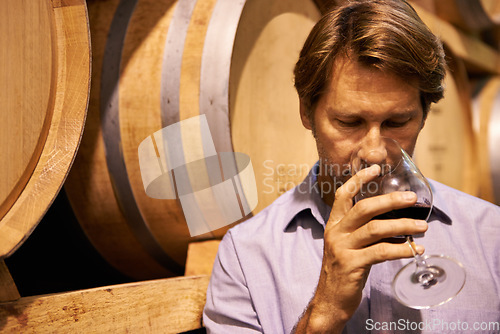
{"x":304,"y":116}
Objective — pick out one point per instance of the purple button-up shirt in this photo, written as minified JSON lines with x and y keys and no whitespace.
{"x":267,"y":269}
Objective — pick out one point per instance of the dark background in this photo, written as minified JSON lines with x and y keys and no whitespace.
{"x":58,"y":256}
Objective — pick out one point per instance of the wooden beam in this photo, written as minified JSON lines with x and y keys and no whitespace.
{"x":472,"y":50}
{"x":200,"y":257}
{"x":170,"y":305}
{"x":8,"y":289}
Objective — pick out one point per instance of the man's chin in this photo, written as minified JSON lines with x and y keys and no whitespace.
{"x":331,"y":183}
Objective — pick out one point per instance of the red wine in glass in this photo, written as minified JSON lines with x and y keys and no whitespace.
{"x":418,"y":211}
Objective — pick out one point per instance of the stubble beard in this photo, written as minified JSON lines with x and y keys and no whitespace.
{"x":331,"y":175}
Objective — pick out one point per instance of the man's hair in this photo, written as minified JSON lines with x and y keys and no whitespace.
{"x":384,"y":34}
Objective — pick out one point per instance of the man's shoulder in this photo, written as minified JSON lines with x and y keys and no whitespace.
{"x":453,"y":199}
{"x":271,"y":219}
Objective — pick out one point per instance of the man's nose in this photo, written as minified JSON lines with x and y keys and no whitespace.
{"x":373,"y":149}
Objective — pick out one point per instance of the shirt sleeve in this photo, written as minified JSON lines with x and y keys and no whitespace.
{"x":229,"y":307}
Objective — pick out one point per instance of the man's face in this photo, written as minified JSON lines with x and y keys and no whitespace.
{"x":360,"y":106}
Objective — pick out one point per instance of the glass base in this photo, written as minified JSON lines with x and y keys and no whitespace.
{"x":435,"y":285}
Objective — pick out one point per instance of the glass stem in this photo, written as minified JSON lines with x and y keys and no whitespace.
{"x":421,"y":264}
{"x":425,"y":275}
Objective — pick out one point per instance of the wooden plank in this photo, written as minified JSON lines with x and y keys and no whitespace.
{"x":428,"y":5}
{"x":472,"y":50}
{"x":8,"y":289}
{"x":65,"y":3}
{"x":200,"y":257}
{"x":171,"y":305}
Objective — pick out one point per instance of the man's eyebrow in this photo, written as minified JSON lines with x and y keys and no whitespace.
{"x":405,"y":112}
{"x":352,"y":114}
{"x":343,"y":112}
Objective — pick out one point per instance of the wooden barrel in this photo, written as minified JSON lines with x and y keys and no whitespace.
{"x":487,"y":120}
{"x":157,"y":63}
{"x":44,"y":89}
{"x":446,"y":149}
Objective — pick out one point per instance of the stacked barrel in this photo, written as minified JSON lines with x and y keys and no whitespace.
{"x":44,"y":87}
{"x":157,"y":63}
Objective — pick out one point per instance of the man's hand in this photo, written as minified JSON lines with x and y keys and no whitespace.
{"x":352,"y":245}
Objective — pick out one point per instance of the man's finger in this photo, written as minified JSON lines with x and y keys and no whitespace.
{"x":376,"y":230}
{"x":345,"y":194}
{"x":385,"y":251}
{"x":369,"y":208}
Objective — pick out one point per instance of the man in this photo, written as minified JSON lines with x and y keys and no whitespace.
{"x":312,"y":262}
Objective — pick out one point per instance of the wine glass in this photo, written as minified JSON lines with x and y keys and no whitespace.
{"x":427,"y":281}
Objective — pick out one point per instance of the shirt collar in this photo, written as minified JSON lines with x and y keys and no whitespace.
{"x":306,"y":196}
{"x":439,"y":207}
